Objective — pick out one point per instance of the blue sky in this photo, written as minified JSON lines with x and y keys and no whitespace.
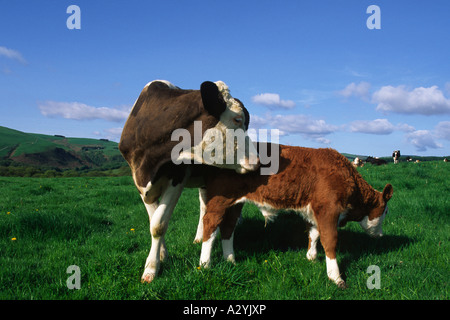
{"x":311,"y":69}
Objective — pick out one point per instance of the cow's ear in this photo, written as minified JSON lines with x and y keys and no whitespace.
{"x":212,"y":99}
{"x":247,"y":118}
{"x":387,"y":192}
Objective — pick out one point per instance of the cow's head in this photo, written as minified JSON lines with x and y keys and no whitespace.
{"x":372,"y":223}
{"x":227,"y":144}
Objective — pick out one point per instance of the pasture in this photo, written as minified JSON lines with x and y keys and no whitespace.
{"x":100,"y":225}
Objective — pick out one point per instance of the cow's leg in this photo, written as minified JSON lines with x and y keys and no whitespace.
{"x":202,"y":199}
{"x":328,"y":237}
{"x":312,"y":244}
{"x":158,"y":227}
{"x":151,"y":208}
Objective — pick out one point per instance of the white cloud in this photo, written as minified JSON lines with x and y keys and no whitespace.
{"x":447,"y":87}
{"x":12,"y":54}
{"x":360,"y":90}
{"x":425,"y":101}
{"x":422,"y":140}
{"x":377,"y":126}
{"x":273,"y":100}
{"x":299,"y":123}
{"x":81,"y":111}
{"x":443,"y":130}
{"x":405,"y":127}
{"x":304,"y":125}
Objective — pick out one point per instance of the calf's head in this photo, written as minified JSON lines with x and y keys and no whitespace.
{"x":373,"y":221}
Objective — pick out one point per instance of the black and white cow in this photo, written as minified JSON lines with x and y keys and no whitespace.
{"x":396,"y":156}
{"x":150,"y":142}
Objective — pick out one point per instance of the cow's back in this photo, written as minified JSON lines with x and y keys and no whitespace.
{"x":146,"y":137}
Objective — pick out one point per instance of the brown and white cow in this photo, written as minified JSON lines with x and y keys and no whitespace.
{"x":150,"y":143}
{"x":319,"y":184}
{"x":357,"y":163}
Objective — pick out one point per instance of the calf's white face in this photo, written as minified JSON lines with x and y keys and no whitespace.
{"x":374,"y":227}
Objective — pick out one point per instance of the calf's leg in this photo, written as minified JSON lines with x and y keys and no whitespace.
{"x":328,"y":237}
{"x":207,"y":245}
{"x":227,"y":227}
{"x":312,"y":244}
{"x":202,"y":199}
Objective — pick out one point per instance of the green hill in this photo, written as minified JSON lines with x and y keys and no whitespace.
{"x":21,"y":149}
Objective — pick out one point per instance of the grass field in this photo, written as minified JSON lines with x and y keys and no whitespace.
{"x":100,"y":225}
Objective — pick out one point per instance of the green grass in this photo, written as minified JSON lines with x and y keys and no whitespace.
{"x":15,"y":143}
{"x":88,"y":222}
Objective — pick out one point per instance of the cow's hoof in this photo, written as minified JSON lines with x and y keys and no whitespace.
{"x":148,"y":277}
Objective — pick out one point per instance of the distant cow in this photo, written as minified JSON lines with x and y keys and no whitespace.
{"x":396,"y":156}
{"x":161,"y":112}
{"x":319,"y":184}
{"x":357,"y":163}
{"x":376,"y":161}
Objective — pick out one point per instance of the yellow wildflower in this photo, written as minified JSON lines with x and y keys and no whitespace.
{"x":13,"y":239}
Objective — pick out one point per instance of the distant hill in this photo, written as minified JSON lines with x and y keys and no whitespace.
{"x":46,"y":152}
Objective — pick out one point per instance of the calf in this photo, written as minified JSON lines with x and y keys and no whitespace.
{"x":319,"y":184}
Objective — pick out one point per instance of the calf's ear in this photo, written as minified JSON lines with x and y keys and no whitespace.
{"x":387,"y":192}
{"x":212,"y":99}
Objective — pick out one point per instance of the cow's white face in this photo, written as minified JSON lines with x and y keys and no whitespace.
{"x":227,"y":145}
{"x":232,"y":126}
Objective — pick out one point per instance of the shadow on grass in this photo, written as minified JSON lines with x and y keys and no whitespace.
{"x":289,"y":232}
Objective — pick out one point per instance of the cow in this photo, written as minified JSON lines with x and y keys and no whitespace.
{"x":150,"y":143}
{"x":396,"y":156}
{"x":376,"y":161}
{"x":319,"y":184}
{"x":357,"y":162}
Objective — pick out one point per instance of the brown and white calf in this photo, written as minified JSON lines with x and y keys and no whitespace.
{"x":319,"y":184}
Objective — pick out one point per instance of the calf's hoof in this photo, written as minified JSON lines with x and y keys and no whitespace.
{"x":342,"y":285}
{"x":147,"y":277}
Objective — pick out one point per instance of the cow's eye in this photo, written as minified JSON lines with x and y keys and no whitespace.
{"x":238,"y":120}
